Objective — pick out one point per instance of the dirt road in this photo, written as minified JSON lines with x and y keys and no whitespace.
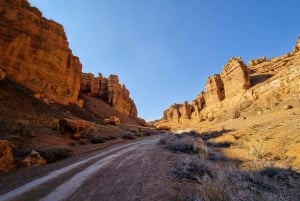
{"x":123,"y":172}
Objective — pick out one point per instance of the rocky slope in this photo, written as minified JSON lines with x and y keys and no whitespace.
{"x":251,"y":113}
{"x":240,"y":89}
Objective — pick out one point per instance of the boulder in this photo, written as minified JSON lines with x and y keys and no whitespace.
{"x":6,"y":156}
{"x":34,"y":159}
{"x":185,"y":110}
{"x":114,"y":120}
{"x":72,"y":126}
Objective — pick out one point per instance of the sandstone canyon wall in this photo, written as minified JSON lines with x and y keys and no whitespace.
{"x":238,"y":88}
{"x":35,"y":53}
{"x":111,"y":91}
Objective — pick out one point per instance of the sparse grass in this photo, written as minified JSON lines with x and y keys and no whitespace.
{"x":218,"y":178}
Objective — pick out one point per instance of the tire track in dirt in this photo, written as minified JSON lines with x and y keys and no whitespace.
{"x":68,"y":187}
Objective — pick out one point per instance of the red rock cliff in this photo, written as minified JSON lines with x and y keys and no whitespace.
{"x":111,"y":91}
{"x":35,"y":53}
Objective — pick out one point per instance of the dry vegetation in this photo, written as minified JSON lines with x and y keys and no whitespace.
{"x":214,"y":177}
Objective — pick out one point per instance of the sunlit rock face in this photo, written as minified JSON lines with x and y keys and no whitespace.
{"x":239,"y":87}
{"x":35,"y":53}
{"x":235,"y":77}
{"x":111,"y":91}
{"x":214,"y":89}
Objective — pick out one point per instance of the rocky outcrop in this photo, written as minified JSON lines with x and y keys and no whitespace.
{"x":185,"y":110}
{"x":238,"y":87}
{"x":111,"y":91}
{"x":197,"y":105}
{"x":172,"y":113}
{"x":235,"y":77}
{"x":254,"y":62}
{"x":214,"y":89}
{"x":6,"y":156}
{"x":297,"y":46}
{"x":35,"y":53}
{"x":233,"y":80}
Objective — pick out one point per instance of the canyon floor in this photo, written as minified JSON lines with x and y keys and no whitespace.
{"x":253,"y":158}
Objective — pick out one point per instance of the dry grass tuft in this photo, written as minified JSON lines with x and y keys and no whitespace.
{"x":192,"y":169}
{"x":215,"y":191}
{"x":184,"y":144}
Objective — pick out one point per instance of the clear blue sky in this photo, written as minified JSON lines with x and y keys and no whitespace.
{"x":164,"y":50}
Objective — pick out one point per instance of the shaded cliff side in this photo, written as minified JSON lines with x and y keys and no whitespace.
{"x":35,"y":53}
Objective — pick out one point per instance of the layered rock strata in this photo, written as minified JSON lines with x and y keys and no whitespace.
{"x":35,"y":53}
{"x":235,"y":77}
{"x":214,"y":89}
{"x":111,"y":91}
{"x":238,"y":87}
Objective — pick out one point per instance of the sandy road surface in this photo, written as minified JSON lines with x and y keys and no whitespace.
{"x":123,"y":172}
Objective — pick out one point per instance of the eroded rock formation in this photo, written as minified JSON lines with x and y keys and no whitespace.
{"x":235,"y":77}
{"x":254,"y":62}
{"x":35,"y":53}
{"x":214,"y":89}
{"x":238,"y":87}
{"x":111,"y":91}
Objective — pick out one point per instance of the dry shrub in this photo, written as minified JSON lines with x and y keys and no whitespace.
{"x":184,"y":144}
{"x":97,"y":139}
{"x":129,"y":136}
{"x":54,"y":153}
{"x":111,"y":137}
{"x":192,"y":169}
{"x":215,"y":191}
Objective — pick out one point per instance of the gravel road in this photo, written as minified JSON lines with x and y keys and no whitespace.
{"x":132,"y":171}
